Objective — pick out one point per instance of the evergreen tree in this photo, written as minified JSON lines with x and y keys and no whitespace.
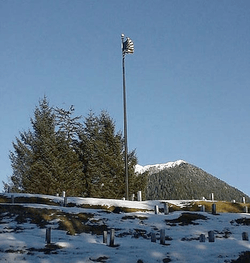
{"x":68,"y":124}
{"x":102,"y":155}
{"x":61,"y":154}
{"x":43,"y":160}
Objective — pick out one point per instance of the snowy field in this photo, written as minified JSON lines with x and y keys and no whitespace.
{"x":25,"y":242}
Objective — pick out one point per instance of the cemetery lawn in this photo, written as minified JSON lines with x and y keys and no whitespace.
{"x":77,"y":230}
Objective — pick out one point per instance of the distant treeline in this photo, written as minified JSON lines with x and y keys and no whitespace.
{"x":186,"y":181}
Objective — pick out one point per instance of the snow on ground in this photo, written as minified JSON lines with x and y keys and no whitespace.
{"x":148,"y":205}
{"x":25,"y":242}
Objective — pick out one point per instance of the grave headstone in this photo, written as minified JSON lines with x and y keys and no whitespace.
{"x":202,"y":238}
{"x":139,"y":196}
{"x":166,"y":208}
{"x":213,"y":209}
{"x":156,"y":210}
{"x":153,"y":237}
{"x":112,"y":237}
{"x":162,"y":236}
{"x":48,"y":235}
{"x":245,"y":236}
{"x":211,"y":236}
{"x":105,"y":237}
{"x":203,"y":208}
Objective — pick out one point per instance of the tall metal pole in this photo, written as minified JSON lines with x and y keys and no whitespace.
{"x":125,"y":120}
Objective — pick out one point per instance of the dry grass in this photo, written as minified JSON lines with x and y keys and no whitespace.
{"x":221,"y":207}
{"x":186,"y":219}
{"x":84,"y":222}
{"x":72,"y":223}
{"x":110,"y":209}
{"x":28,"y":200}
{"x":4,"y":199}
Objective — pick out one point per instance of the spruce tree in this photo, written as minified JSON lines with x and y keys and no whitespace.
{"x":102,"y":154}
{"x":43,"y":160}
{"x":68,"y":124}
{"x":61,"y":154}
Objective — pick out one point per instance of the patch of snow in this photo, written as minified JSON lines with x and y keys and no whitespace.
{"x":158,"y":167}
{"x":23,"y":242}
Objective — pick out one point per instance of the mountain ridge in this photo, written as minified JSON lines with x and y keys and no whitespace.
{"x":142,"y":169}
{"x":181,"y":180}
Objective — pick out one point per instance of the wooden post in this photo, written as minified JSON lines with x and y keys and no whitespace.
{"x":133,"y":197}
{"x":63,"y":194}
{"x":211,"y":236}
{"x":245,"y":209}
{"x":214,"y":209}
{"x":212,"y":196}
{"x":139,"y":196}
{"x":202,"y":238}
{"x":245,"y":236}
{"x":48,"y":235}
{"x":162,"y":237}
{"x":243,"y":200}
{"x":112,"y":237}
{"x":153,"y":237}
{"x":12,"y":199}
{"x":156,"y":209}
{"x":166,"y":208}
{"x":105,"y":237}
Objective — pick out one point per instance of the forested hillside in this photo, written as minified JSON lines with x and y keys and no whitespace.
{"x":186,"y":181}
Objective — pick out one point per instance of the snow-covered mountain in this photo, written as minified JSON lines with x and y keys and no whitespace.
{"x":181,"y":180}
{"x":157,"y":167}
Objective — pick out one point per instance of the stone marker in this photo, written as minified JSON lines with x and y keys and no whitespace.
{"x":48,"y":235}
{"x":153,"y":237}
{"x":202,"y":238}
{"x":105,"y":237}
{"x":211,"y":236}
{"x":139,"y":196}
{"x":213,"y":209}
{"x":166,"y":208}
{"x":245,"y":236}
{"x":162,"y":237}
{"x":112,"y":237}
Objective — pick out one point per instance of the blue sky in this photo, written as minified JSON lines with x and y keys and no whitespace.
{"x":187,"y":81}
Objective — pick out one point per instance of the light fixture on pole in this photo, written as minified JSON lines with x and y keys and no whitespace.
{"x":127,"y":48}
